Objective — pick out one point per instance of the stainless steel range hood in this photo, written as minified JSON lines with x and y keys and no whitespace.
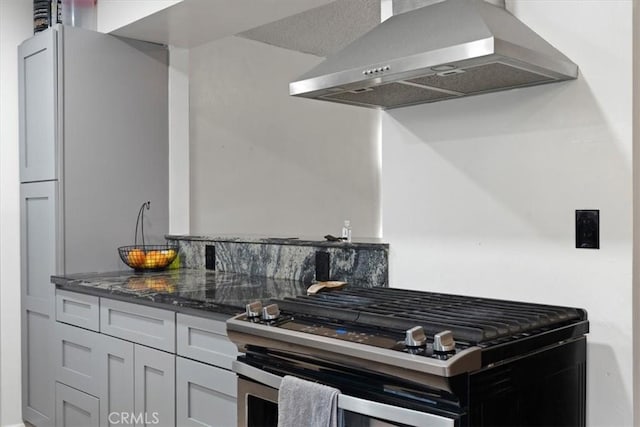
{"x":447,"y":50}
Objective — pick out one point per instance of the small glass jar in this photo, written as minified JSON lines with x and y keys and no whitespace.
{"x":346,"y":231}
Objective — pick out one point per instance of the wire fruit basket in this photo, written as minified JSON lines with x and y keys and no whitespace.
{"x":147,"y":257}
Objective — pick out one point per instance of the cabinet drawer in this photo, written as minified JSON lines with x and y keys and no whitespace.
{"x":148,"y":326}
{"x":76,"y":357}
{"x":204,"y":340}
{"x":205,"y":395}
{"x":78,"y":309}
{"x":75,"y":408}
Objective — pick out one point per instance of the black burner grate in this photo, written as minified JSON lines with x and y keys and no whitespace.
{"x":471,"y":319}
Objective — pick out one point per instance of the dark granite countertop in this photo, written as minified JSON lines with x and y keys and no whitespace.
{"x":194,"y":291}
{"x":294,"y":241}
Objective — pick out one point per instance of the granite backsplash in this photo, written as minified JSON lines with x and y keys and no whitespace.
{"x":361,"y":263}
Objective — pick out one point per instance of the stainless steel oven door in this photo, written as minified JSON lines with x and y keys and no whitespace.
{"x":258,"y":405}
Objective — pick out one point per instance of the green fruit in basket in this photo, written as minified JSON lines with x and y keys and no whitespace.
{"x":174,"y":264}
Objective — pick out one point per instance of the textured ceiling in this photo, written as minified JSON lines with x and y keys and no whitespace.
{"x":320,"y":31}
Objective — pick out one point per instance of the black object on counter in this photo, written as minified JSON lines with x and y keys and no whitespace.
{"x":322,"y":266}
{"x":210,"y":257}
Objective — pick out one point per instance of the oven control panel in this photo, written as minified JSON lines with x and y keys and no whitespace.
{"x":442,"y":346}
{"x":344,"y":333}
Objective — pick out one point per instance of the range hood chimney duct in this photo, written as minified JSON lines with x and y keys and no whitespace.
{"x":434,"y":50}
{"x":402,"y":6}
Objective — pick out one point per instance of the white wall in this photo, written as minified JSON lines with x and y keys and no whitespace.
{"x":179,"y":171}
{"x":16,"y":24}
{"x":636,"y":208}
{"x":113,"y":14}
{"x":480,"y":193}
{"x":265,"y":162}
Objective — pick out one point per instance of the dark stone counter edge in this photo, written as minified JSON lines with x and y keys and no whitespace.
{"x":358,"y":243}
{"x":211,"y":311}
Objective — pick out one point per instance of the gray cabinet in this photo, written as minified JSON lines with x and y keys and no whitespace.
{"x":154,"y":386}
{"x":39,"y":241}
{"x":115,"y":378}
{"x":77,"y":355}
{"x":204,"y":340}
{"x":39,"y":226}
{"x":205,"y":395}
{"x":93,"y":147}
{"x":38,"y":235}
{"x":78,"y":309}
{"x":133,"y":384}
{"x":38,"y":107}
{"x":37,"y":381}
{"x":138,"y":323}
{"x":93,"y":117}
{"x":75,"y":408}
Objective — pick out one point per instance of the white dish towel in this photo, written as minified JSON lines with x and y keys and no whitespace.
{"x":305,"y":403}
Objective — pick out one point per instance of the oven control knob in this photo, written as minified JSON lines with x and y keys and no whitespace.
{"x":443,"y":343}
{"x":415,"y":337}
{"x":254,"y":310}
{"x":270,"y":312}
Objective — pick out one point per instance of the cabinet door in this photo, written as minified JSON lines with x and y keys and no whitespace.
{"x":75,"y":408}
{"x":39,"y":244}
{"x":37,"y":369}
{"x":37,"y":83}
{"x":38,"y":248}
{"x":77,"y":356}
{"x":116,"y":382}
{"x":205,"y":395}
{"x":154,"y":387}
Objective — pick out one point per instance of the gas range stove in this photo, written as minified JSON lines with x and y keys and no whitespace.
{"x":404,"y":332}
{"x":449,"y":360}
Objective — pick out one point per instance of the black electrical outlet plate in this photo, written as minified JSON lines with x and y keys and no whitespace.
{"x":322,"y":266}
{"x":210,"y":257}
{"x":588,"y":229}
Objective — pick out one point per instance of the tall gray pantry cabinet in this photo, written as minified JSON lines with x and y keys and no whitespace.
{"x":93,"y":147}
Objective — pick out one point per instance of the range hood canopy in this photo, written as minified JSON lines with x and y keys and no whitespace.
{"x":442,"y":51}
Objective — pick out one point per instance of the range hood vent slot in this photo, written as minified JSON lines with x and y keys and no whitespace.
{"x":390,"y":95}
{"x":483,"y":78}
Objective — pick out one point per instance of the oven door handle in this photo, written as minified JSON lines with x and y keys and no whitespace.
{"x":355,"y":404}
